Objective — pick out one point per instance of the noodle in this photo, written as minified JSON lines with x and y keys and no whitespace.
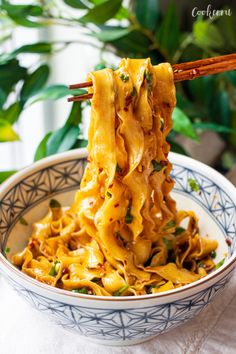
{"x":123,"y":234}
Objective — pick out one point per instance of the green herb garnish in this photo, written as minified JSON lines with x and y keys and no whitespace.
{"x":179,"y":230}
{"x":162,"y":124}
{"x":124,"y":77}
{"x":80,"y":290}
{"x":118,"y":234}
{"x":129,"y":216}
{"x":109,"y":195}
{"x":157,"y":166}
{"x":7,"y":250}
{"x":213,"y":254}
{"x":168,"y":243}
{"x":218,"y":265}
{"x":118,"y":169}
{"x":54,"y":204}
{"x":154,"y":286}
{"x":121,"y":290}
{"x":23,"y":222}
{"x":193,"y":185}
{"x":134,"y":92}
{"x":55,"y":268}
{"x":170,"y":224}
{"x":149,"y":78}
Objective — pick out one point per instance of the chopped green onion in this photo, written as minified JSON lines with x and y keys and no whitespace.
{"x":124,"y":77}
{"x":23,"y":222}
{"x":119,"y":237}
{"x":118,"y":169}
{"x":201,"y":265}
{"x":149,"y":78}
{"x":121,"y":290}
{"x":134,"y":92}
{"x":157,"y":166}
{"x":129,"y":216}
{"x":179,"y":230}
{"x":213,"y":254}
{"x":80,"y":290}
{"x":7,"y":250}
{"x":118,"y":234}
{"x":55,"y":268}
{"x":193,"y":185}
{"x":162,"y":124}
{"x":54,"y":204}
{"x":218,"y":265}
{"x":168,"y":243}
{"x":170,"y":224}
{"x":109,"y":195}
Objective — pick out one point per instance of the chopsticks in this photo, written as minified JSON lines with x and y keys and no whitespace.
{"x":182,"y":72}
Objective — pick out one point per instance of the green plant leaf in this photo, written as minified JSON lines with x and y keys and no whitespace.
{"x":75,"y":116}
{"x":77,"y":4}
{"x":7,"y":133}
{"x":69,"y":139}
{"x":22,"y":14}
{"x":220,"y":108}
{"x":62,"y":139}
{"x":122,"y":14}
{"x":6,"y":174}
{"x":102,"y":12}
{"x":147,"y":13}
{"x":231,"y":76}
{"x":110,"y":33}
{"x":182,"y":124}
{"x":80,"y":143}
{"x":202,"y":91}
{"x":169,"y":31}
{"x":134,"y":44}
{"x":207,"y":35}
{"x":227,"y":23}
{"x":55,"y":92}
{"x":39,"y":47}
{"x":35,"y":48}
{"x":10,"y":74}
{"x":214,"y":127}
{"x":34,"y":82}
{"x":3,"y":97}
{"x":11,"y":114}
{"x":41,"y":150}
{"x":54,"y":141}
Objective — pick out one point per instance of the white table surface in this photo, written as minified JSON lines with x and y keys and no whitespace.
{"x":24,"y":330}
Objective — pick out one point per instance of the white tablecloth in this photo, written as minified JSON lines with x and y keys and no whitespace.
{"x":24,"y":330}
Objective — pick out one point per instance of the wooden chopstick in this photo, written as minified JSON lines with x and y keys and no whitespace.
{"x":182,"y":72}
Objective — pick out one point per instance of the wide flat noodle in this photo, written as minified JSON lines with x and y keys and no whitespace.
{"x":123,"y":234}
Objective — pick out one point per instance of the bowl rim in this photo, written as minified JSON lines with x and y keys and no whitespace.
{"x":81,"y":153}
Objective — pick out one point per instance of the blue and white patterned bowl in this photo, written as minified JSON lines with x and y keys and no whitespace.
{"x":119,"y":320}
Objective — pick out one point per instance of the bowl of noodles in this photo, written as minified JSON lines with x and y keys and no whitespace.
{"x":116,"y":320}
{"x":123,"y":241}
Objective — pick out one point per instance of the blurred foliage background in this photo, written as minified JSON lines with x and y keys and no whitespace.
{"x":136,"y":29}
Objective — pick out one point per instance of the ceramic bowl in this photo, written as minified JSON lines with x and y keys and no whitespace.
{"x":116,"y":320}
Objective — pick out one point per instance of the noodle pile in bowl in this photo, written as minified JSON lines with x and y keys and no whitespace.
{"x":123,"y":234}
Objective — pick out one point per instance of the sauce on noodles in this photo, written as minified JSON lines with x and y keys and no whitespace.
{"x":123,"y":234}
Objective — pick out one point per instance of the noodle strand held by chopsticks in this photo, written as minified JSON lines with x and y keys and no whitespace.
{"x":123,"y":234}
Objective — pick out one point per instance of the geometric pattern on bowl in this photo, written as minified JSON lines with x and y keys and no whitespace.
{"x":121,"y":325}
